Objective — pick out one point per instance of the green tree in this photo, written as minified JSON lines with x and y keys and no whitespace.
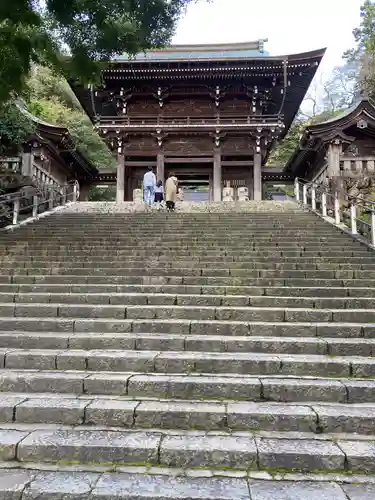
{"x":76,"y":37}
{"x":102,"y":193}
{"x":87,"y":140}
{"x":15,"y":128}
{"x":364,"y":52}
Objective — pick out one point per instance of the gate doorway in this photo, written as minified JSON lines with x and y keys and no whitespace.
{"x":195,"y":182}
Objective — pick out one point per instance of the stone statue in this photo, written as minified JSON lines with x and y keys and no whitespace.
{"x":243,"y":194}
{"x":137,"y":196}
{"x":228,"y":192}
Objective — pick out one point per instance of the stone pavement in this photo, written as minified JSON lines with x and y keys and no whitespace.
{"x":227,"y":353}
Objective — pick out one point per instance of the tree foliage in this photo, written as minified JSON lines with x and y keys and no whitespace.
{"x":363,"y":54}
{"x":102,"y":193}
{"x":15,"y":128}
{"x":86,"y":139}
{"x":76,"y":37}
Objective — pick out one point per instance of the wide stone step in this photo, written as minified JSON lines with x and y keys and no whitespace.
{"x":205,"y":261}
{"x":187,"y":312}
{"x":145,"y":255}
{"x":218,"y":281}
{"x":201,"y":415}
{"x":188,"y":362}
{"x":180,"y":342}
{"x":255,"y":292}
{"x":326,"y":274}
{"x":170,"y":299}
{"x":192,"y":236}
{"x":231,"y":241}
{"x":193,"y":485}
{"x":186,"y":449}
{"x":192,"y":239}
{"x":189,"y":327}
{"x":226,"y":386}
{"x":226,"y":267}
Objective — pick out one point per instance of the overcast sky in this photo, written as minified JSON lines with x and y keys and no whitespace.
{"x":291,"y":26}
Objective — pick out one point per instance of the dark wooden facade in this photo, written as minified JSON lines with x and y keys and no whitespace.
{"x":212,"y":111}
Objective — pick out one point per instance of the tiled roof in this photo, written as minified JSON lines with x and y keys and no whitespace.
{"x":196,"y":52}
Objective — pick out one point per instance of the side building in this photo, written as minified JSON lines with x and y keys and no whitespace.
{"x":209,"y":113}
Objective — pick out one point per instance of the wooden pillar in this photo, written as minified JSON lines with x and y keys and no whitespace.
{"x":160,"y":175}
{"x":27,"y":165}
{"x":120,"y":185}
{"x":217,"y":176}
{"x":333,"y":157}
{"x":257,"y":175}
{"x":84,"y":191}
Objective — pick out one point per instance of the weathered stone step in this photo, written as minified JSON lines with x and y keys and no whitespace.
{"x":193,"y":238}
{"x":186,"y":450}
{"x":202,"y":415}
{"x":222,"y":281}
{"x":193,"y":485}
{"x":184,"y":242}
{"x":188,"y":362}
{"x":326,"y":274}
{"x":113,"y":252}
{"x":303,"y":262}
{"x":129,"y":263}
{"x":187,"y":312}
{"x":257,"y":292}
{"x":214,"y":300}
{"x":189,"y":327}
{"x":194,"y":387}
{"x":181,"y":342}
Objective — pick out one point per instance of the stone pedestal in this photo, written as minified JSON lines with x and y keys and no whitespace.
{"x":137,"y":196}
{"x":120,"y":183}
{"x":243,"y":194}
{"x":228,"y":193}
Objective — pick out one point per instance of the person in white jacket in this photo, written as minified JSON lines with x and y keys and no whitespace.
{"x":149,"y":184}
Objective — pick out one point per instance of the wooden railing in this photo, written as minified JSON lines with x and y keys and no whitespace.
{"x":44,"y":179}
{"x":152,"y":120}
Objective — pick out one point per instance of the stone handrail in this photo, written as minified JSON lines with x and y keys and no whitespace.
{"x":352,"y":212}
{"x":29,"y":203}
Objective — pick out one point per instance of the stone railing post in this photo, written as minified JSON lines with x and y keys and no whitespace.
{"x":296,"y":190}
{"x":16,"y":210}
{"x":353,"y":218}
{"x":337,"y":209}
{"x":313,"y":197}
{"x":324,"y":204}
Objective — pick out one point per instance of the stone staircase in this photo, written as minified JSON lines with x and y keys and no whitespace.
{"x":186,"y":356}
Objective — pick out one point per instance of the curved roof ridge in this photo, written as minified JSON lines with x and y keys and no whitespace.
{"x":346,"y":112}
{"x":35,"y":119}
{"x":213,"y":46}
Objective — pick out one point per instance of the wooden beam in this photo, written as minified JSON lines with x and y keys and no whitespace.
{"x":187,"y":160}
{"x":237,"y":163}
